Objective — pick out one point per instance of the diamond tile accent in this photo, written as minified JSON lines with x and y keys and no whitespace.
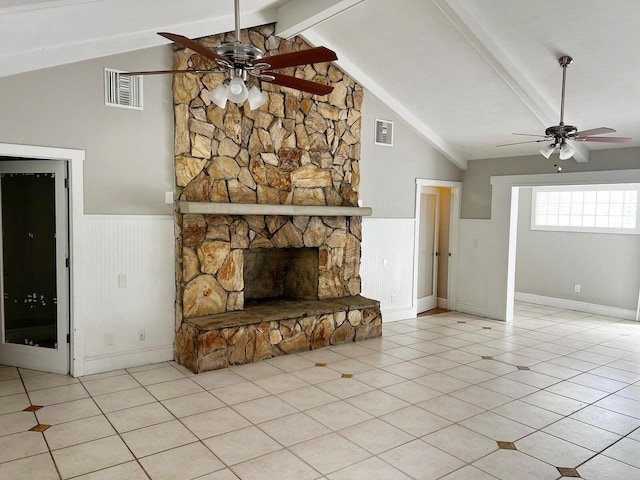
{"x":32,"y":408}
{"x":41,"y":427}
{"x":568,"y":472}
{"x":420,"y":402}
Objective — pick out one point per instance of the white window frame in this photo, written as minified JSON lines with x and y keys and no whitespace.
{"x":585,"y":188}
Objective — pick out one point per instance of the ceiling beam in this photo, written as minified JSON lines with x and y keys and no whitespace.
{"x":294,"y":17}
{"x":390,"y":101}
{"x":489,"y":49}
{"x":89,"y":48}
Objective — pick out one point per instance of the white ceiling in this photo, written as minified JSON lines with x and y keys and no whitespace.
{"x":464,"y":73}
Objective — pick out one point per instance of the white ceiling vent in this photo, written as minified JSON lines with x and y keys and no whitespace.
{"x":122,"y":90}
{"x":384,"y":132}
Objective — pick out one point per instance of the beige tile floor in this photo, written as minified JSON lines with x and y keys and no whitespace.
{"x":431,"y":399}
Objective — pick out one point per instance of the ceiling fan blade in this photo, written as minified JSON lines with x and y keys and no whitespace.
{"x":530,"y":135}
{"x":298,"y":83}
{"x":603,"y":139}
{"x":520,"y":143}
{"x":301,"y":57}
{"x":594,"y":131}
{"x":193,"y":45}
{"x":161,"y":72}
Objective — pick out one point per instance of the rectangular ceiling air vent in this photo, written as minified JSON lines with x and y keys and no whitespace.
{"x":384,"y":132}
{"x":122,"y":90}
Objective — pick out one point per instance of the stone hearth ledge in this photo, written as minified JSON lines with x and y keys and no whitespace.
{"x":213,"y":208}
{"x":273,"y":328}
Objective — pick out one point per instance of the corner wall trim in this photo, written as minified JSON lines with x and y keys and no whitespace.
{"x":592,"y":308}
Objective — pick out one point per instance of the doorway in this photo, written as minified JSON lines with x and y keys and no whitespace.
{"x":428,"y":229}
{"x":436,"y":230}
{"x":34,"y":285}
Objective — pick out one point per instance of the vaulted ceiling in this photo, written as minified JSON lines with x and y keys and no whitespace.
{"x":466,"y":74}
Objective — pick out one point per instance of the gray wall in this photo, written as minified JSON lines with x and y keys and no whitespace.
{"x":388,"y":174}
{"x":551,"y":263}
{"x":129,"y":153}
{"x":476,"y":189}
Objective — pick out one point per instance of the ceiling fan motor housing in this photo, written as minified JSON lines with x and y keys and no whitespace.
{"x":240,"y":53}
{"x":561,"y":131}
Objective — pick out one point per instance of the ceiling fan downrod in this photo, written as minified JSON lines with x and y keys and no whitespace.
{"x":564,"y":61}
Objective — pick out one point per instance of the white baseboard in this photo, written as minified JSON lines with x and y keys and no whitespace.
{"x":106,"y":363}
{"x":471,"y":309}
{"x":442,"y":303}
{"x":397,"y":314}
{"x":592,"y":308}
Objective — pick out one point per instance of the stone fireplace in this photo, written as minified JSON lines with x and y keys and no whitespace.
{"x":268,"y":227}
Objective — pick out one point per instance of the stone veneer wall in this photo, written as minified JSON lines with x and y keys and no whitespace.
{"x":297,"y":149}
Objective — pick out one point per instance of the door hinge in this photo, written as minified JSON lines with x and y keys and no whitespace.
{"x":68,"y":338}
{"x":437,"y":254}
{"x":449,"y":253}
{"x":67,"y":262}
{"x":66,"y":183}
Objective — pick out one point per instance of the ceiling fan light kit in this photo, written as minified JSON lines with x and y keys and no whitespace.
{"x":560,"y":134}
{"x":566,"y":151}
{"x":547,"y":151}
{"x":240,"y":61}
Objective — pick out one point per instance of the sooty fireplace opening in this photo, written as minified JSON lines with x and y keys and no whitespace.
{"x":280,"y":272}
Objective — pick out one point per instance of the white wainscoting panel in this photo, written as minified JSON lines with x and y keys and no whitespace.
{"x":126,"y":290}
{"x":387,"y":265}
{"x":474,"y":269}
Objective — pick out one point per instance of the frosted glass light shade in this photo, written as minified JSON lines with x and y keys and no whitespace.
{"x":219,"y":95}
{"x":256,"y":98}
{"x":237,"y":91}
{"x":547,"y":151}
{"x":566,"y":151}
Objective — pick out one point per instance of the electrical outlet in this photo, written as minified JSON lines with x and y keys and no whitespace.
{"x":122,"y":280}
{"x":576,"y":288}
{"x":168,"y":198}
{"x":393,"y":298}
{"x":141,"y":336}
{"x":385,"y":263}
{"x":109,"y":339}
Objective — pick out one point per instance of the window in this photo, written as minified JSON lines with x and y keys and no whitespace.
{"x":587,"y":208}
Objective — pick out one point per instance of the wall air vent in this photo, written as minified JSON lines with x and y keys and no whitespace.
{"x":384,"y":132}
{"x":122,"y":90}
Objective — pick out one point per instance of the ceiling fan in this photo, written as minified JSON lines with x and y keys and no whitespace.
{"x":561,"y":133}
{"x":241,"y":61}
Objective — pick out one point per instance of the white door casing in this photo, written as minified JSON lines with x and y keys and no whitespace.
{"x":454,"y":227}
{"x":74,"y":159}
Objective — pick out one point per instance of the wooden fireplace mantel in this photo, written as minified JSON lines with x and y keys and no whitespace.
{"x":212,"y":208}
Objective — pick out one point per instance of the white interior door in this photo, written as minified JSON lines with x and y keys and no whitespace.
{"x":427,"y":285}
{"x":35,"y":280}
